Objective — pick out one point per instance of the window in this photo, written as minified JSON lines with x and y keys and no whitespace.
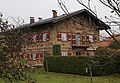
{"x":78,"y":53}
{"x":90,"y":38}
{"x":34,"y":55}
{"x":64,"y":53}
{"x":34,"y":38}
{"x":26,"y":56}
{"x":76,"y":39}
{"x":44,"y":37}
{"x":63,"y":36}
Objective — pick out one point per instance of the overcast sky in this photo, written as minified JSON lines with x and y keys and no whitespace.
{"x":42,"y":8}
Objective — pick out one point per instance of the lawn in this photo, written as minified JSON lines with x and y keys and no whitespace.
{"x":49,"y":77}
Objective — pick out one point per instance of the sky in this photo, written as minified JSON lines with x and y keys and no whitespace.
{"x":24,"y":9}
{"x":42,"y":8}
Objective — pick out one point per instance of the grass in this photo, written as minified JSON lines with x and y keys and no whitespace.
{"x":50,"y":77}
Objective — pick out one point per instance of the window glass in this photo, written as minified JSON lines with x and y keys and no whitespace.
{"x":34,"y":55}
{"x":44,"y":37}
{"x":77,"y":40}
{"x":64,"y":53}
{"x":34,"y":38}
{"x":63,"y":36}
{"x":90,"y":38}
{"x":78,"y":53}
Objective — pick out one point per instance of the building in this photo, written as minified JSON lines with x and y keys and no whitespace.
{"x":107,"y":41}
{"x":76,"y":34}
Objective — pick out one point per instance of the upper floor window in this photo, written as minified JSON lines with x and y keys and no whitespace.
{"x":44,"y":36}
{"x":75,"y":39}
{"x":89,"y":38}
{"x":62,"y":36}
{"x":35,"y":38}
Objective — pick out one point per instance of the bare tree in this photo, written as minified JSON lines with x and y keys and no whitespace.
{"x":11,"y":41}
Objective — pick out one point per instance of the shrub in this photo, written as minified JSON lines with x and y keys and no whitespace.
{"x":56,"y":50}
{"x":78,"y":65}
{"x":116,"y":62}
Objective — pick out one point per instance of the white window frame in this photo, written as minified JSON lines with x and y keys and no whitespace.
{"x":45,"y":37}
{"x":91,"y":38}
{"x":64,"y":53}
{"x":63,"y":36}
{"x":34,"y":55}
{"x":34,"y":38}
{"x":77,"y":37}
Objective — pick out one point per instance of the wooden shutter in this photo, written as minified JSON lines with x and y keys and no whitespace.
{"x":87,"y":38}
{"x":69,"y":52}
{"x":73,"y":40}
{"x":59,"y":36}
{"x":41,"y":55}
{"x":31,"y":55}
{"x":27,"y":56}
{"x":37,"y":38}
{"x":95,"y":38}
{"x":32,"y":38}
{"x":48,"y":52}
{"x":40,"y":37}
{"x":22,"y":55}
{"x":83,"y":39}
{"x":68,"y":36}
{"x":37,"y":55}
{"x":48,"y":36}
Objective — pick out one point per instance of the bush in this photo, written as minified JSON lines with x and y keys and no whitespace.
{"x":56,"y":50}
{"x":116,"y":62}
{"x":78,"y":65}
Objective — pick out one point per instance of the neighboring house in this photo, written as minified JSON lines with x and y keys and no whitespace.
{"x":77,"y":34}
{"x":107,"y":41}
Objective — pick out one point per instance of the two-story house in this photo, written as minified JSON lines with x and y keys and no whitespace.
{"x":76,"y":34}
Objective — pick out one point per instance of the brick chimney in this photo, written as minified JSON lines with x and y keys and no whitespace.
{"x":32,"y":20}
{"x":54,"y":13}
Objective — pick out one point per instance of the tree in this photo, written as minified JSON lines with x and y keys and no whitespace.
{"x":114,"y":45}
{"x":11,"y":41}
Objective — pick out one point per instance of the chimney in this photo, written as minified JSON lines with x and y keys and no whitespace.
{"x":32,"y":20}
{"x":39,"y":18}
{"x":54,"y":13}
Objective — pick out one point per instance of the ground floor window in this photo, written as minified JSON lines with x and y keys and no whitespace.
{"x":78,"y":53}
{"x":64,"y":53}
{"x":90,"y":53}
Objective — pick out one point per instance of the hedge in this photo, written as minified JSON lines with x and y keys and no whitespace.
{"x":78,"y":65}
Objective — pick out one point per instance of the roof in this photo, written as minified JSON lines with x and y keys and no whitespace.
{"x":116,"y":36}
{"x":104,"y":43}
{"x":101,"y":25}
